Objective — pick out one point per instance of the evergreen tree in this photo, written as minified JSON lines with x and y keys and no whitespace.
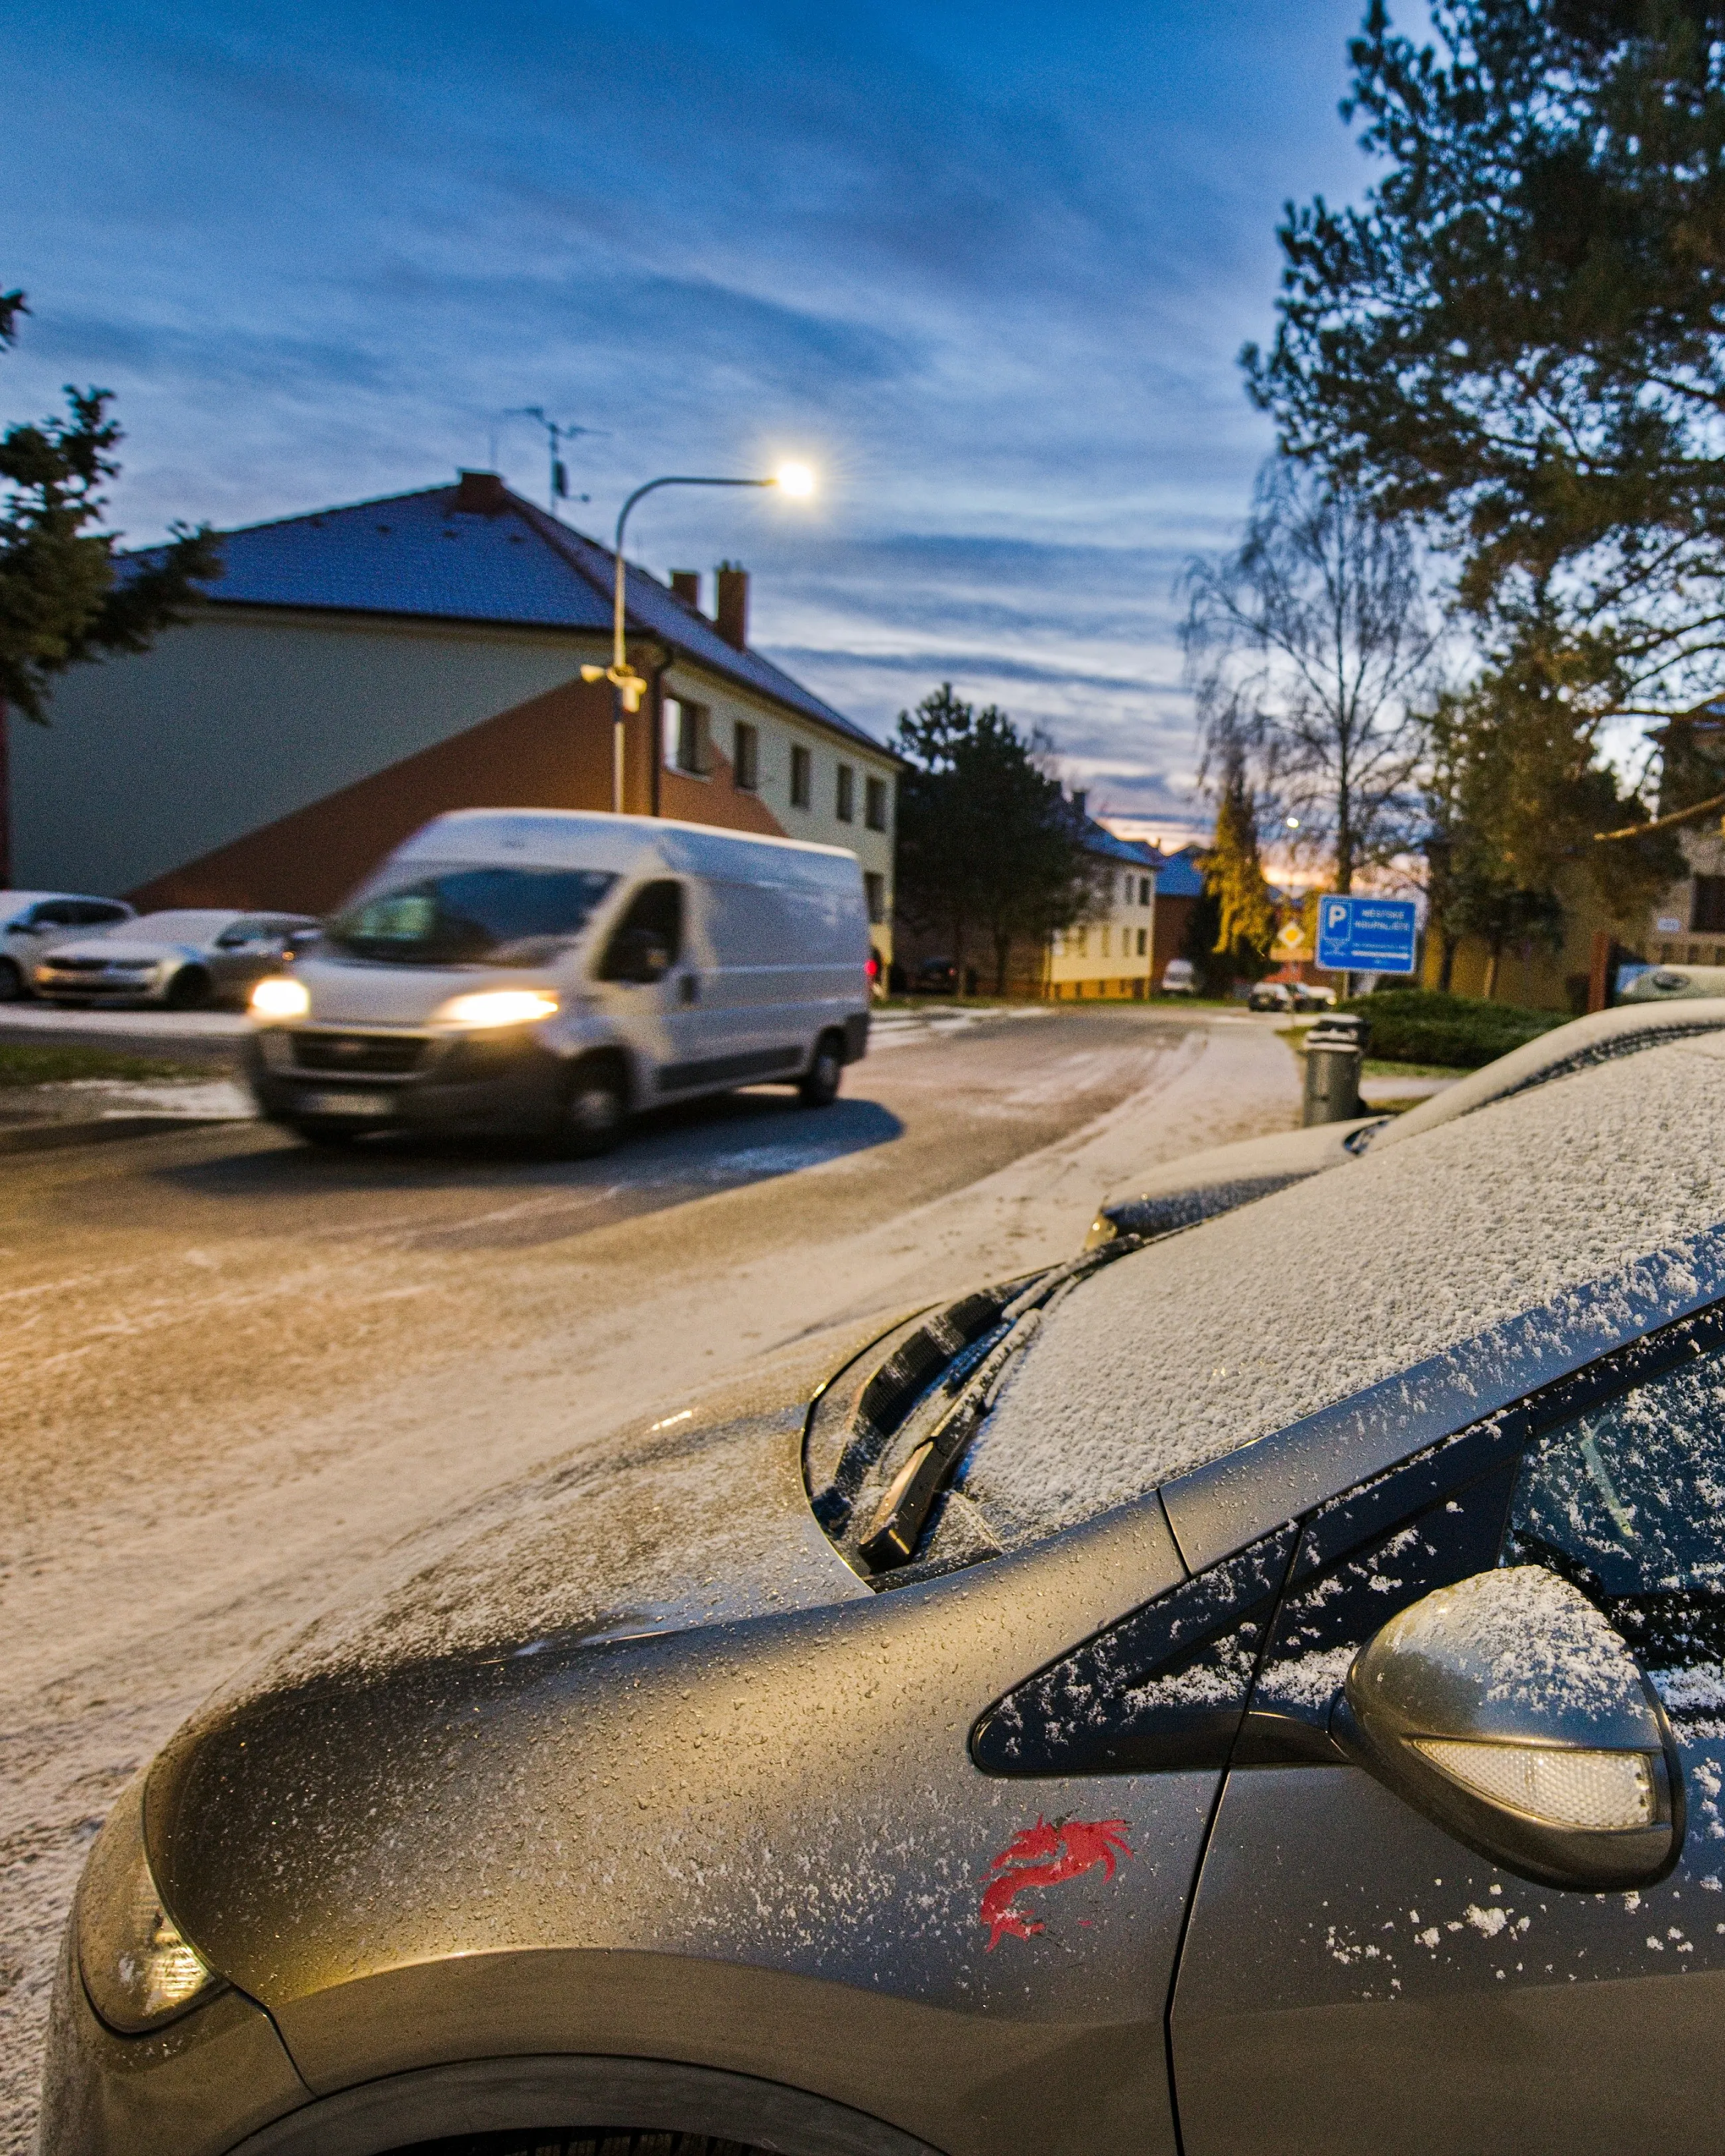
{"x":1519,"y":337}
{"x":1245,"y":918}
{"x":61,"y":601}
{"x":987,"y":845}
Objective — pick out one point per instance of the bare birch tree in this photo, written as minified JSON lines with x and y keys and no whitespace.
{"x":1305,"y":647}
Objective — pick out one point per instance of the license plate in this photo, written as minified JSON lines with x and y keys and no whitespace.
{"x":344,"y":1104}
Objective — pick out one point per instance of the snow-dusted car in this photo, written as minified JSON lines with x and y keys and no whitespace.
{"x":184,"y":959}
{"x":1202,"y":1184}
{"x":1257,"y":1690}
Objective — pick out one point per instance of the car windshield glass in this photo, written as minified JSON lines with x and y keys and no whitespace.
{"x":469,"y":917}
{"x":1220,"y":1335}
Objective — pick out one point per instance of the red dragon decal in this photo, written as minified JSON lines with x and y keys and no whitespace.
{"x":1043,"y":1855}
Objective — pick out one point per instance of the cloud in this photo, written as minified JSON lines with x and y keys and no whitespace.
{"x":986,"y":264}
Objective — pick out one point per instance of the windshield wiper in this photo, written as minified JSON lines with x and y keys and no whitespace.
{"x":901,"y":1515}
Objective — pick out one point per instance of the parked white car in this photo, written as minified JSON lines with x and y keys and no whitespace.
{"x":34,"y":923}
{"x":1179,"y":977}
{"x":545,"y":972}
{"x":184,"y":959}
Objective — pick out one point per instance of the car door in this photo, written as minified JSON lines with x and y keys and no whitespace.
{"x":1355,"y":1978}
{"x":649,"y":988}
{"x":244,"y":951}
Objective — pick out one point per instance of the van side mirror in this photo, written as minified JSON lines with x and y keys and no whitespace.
{"x":637,"y":955}
{"x":1507,"y":1710}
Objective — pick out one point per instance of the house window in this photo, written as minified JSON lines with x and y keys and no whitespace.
{"x":1143,"y":944}
{"x":1708,"y":918}
{"x":1106,"y":943}
{"x":1080,"y":943}
{"x":1143,"y":890}
{"x":874,"y":805}
{"x":845,"y":803}
{"x":875,"y":890}
{"x":746,"y":763}
{"x":685,"y":736}
{"x":802,"y":778}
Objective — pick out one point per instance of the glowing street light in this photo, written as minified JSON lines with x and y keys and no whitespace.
{"x":628,"y":687}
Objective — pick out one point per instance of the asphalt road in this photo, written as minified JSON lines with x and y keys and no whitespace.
{"x":234,"y":1369}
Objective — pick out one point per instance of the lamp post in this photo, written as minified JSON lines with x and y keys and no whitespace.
{"x":627,"y":686}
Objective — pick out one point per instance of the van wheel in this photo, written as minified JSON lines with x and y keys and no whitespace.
{"x":818,"y":1087}
{"x":594,"y":1112}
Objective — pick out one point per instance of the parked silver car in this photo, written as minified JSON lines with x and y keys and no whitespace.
{"x":1206,"y":1184}
{"x":183,"y":960}
{"x":34,"y":923}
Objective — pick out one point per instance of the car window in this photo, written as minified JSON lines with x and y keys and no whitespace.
{"x":1166,"y":1687}
{"x":468,"y":916}
{"x":1628,"y":1502}
{"x":58,"y":913}
{"x":653,"y":917}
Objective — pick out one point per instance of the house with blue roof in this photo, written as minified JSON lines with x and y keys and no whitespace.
{"x":355,"y":671}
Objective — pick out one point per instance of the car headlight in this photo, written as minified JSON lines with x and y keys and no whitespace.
{"x":138,"y":1969}
{"x":276,"y":997}
{"x":499,"y":1007}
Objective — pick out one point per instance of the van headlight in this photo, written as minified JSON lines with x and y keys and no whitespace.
{"x":499,"y":1007}
{"x":277,"y":998}
{"x":138,"y":1969}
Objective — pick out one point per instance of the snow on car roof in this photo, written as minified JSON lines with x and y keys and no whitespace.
{"x":1215,"y":1338}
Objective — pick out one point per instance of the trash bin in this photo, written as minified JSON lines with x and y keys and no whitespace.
{"x":1332,"y":1067}
{"x":1355,"y":1025}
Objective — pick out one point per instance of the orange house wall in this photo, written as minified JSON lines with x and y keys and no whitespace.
{"x":552,"y":751}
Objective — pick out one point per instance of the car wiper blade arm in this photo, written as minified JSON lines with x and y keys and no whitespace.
{"x":902,"y":1513}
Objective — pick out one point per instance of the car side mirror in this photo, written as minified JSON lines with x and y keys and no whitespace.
{"x":229,"y":943}
{"x":1507,"y":1710}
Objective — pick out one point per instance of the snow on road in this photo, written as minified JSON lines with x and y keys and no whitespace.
{"x":213,"y":1427}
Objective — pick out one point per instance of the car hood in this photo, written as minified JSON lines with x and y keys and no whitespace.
{"x":635,"y":1702}
{"x":1205,"y":1183}
{"x":124,"y":946}
{"x":352,"y":992}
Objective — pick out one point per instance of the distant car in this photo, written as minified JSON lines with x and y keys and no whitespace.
{"x":183,"y":960}
{"x":1206,"y":1184}
{"x":1663,"y":983}
{"x":1271,"y":996}
{"x":935,"y":977}
{"x":34,"y":923}
{"x":1179,"y":977}
{"x":1310,"y":995}
{"x":1274,"y":1671}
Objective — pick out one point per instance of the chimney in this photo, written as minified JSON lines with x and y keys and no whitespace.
{"x":731,"y":608}
{"x":482,"y":494}
{"x":1080,"y":801}
{"x":686,"y":585}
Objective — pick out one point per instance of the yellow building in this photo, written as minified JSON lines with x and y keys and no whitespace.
{"x":1114,"y":952}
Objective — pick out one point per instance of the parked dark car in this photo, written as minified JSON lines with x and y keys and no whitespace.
{"x":1274,"y":1671}
{"x":935,"y":977}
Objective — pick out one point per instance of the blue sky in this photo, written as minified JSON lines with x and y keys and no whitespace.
{"x":987,"y":267}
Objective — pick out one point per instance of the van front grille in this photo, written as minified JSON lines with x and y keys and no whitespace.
{"x":387,"y":1054}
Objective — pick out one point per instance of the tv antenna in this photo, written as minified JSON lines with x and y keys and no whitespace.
{"x":557,"y":433}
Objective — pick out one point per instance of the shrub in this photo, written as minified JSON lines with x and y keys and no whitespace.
{"x":1413,"y":1026}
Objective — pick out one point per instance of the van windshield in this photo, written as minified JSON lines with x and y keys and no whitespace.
{"x":419,"y":915}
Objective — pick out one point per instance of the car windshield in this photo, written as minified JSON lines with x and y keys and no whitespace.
{"x":421,"y":915}
{"x":1211,"y":1338}
{"x":180,"y":927}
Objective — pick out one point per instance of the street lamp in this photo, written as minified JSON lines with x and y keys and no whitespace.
{"x":627,"y":686}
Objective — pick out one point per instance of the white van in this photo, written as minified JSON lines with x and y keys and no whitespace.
{"x":546,"y":972}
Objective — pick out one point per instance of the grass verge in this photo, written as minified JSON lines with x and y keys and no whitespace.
{"x":23,"y":1063}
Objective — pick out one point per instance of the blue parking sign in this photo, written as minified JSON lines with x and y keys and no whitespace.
{"x":1367,"y":934}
